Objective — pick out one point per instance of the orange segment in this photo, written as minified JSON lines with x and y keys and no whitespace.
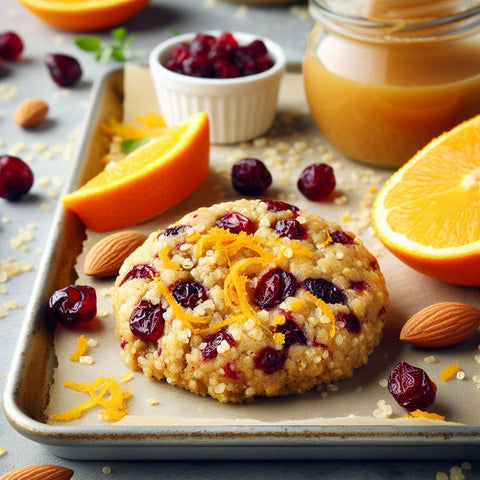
{"x":148,"y":181}
{"x":84,"y":15}
{"x":428,"y":212}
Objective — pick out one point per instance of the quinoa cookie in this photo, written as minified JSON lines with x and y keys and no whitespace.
{"x":249,"y":298}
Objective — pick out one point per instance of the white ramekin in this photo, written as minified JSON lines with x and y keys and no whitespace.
{"x":238,"y":108}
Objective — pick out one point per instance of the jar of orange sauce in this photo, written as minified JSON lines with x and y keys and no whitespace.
{"x":383,"y":80}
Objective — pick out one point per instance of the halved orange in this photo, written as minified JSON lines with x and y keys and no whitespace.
{"x":148,"y":181}
{"x":428,"y":212}
{"x":84,"y":15}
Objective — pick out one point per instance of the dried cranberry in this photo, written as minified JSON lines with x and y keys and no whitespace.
{"x":189,"y":294}
{"x":317,"y":181}
{"x":236,"y":223}
{"x":411,"y":387}
{"x":16,"y":177}
{"x":274,"y":287}
{"x":270,"y":360}
{"x":360,"y":286}
{"x":172,"y":231}
{"x":293,"y":333}
{"x":11,"y":46}
{"x":338,"y":236}
{"x":230,"y":372}
{"x":350,"y":322}
{"x":290,"y":228}
{"x":64,"y":69}
{"x":208,"y":347}
{"x":277,"y":206}
{"x":324,"y":290}
{"x":250,"y":176}
{"x":139,"y":271}
{"x":146,"y":321}
{"x":74,"y":305}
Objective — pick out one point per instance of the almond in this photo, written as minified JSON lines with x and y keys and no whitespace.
{"x":39,"y":472}
{"x":30,"y":112}
{"x":106,"y":257}
{"x":441,"y":325}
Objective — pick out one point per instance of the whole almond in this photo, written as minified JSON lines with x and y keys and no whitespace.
{"x":106,"y":257}
{"x":39,"y":472}
{"x":30,"y":112}
{"x":441,"y":325}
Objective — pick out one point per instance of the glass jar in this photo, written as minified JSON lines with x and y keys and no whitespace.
{"x":380,"y":88}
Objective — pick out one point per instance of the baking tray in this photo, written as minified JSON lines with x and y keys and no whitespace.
{"x":28,"y":387}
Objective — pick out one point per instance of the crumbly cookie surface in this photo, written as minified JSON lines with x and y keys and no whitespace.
{"x":249,"y":298}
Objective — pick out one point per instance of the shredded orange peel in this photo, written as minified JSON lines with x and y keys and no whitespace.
{"x":235,"y":289}
{"x":448,"y":372}
{"x":104,"y":392}
{"x":421,"y":414}
{"x":151,"y":125}
{"x":82,"y":344}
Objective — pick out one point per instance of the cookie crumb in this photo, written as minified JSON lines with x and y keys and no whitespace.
{"x":430,"y":359}
{"x":106,"y":470}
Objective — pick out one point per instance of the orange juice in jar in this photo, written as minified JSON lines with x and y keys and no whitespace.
{"x":380,"y":88}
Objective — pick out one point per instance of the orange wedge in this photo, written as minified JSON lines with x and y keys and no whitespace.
{"x":148,"y":181}
{"x":84,"y":15}
{"x":428,"y":212}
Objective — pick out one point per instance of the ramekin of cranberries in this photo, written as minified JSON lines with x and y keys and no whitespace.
{"x":233,"y":76}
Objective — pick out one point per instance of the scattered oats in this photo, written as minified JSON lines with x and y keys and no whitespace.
{"x":107,"y":292}
{"x":2,"y":451}
{"x":430,"y":359}
{"x":242,"y":12}
{"x":126,"y":377}
{"x":461,"y":375}
{"x":18,"y":148}
{"x":91,"y":342}
{"x":323,"y":394}
{"x":45,"y":207}
{"x":260,"y":142}
{"x":332,"y":387}
{"x":106,"y":470}
{"x":57,"y":181}
{"x":3,"y":290}
{"x":39,"y":147}
{"x":477,"y":358}
{"x":209,"y":3}
{"x":2,"y":143}
{"x":62,"y":93}
{"x":103,"y":312}
{"x":456,"y":473}
{"x":29,"y":158}
{"x":43,"y":181}
{"x":383,"y":411}
{"x":8,"y":92}
{"x":153,"y":402}
{"x":441,"y":476}
{"x":476,"y":378}
{"x":7,"y":306}
{"x":86,"y":360}
{"x":68,"y":151}
{"x":342,"y":200}
{"x":48,"y":155}
{"x":466,"y":466}
{"x":52,"y":193}
{"x":383,"y":382}
{"x":10,"y":267}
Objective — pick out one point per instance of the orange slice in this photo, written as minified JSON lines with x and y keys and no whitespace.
{"x":84,"y":15}
{"x":428,"y":212}
{"x":148,"y":181}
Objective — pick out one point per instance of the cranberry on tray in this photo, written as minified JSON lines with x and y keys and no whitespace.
{"x":64,"y":69}
{"x":11,"y":46}
{"x":219,"y":57}
{"x":250,"y":176}
{"x":16,"y":177}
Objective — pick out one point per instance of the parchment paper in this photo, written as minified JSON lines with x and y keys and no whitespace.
{"x":292,"y":143}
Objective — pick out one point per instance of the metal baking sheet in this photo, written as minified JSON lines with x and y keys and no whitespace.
{"x":290,"y":430}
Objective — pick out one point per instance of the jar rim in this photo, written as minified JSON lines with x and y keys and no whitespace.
{"x":451,"y":25}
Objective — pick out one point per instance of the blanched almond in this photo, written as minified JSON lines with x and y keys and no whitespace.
{"x":39,"y":472}
{"x":441,"y":325}
{"x":106,"y":257}
{"x":30,"y":113}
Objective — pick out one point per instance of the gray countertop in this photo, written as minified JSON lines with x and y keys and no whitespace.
{"x":25,"y":225}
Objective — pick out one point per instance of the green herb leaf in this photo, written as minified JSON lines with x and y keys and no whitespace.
{"x":131,"y":144}
{"x":119,"y":34}
{"x":89,"y":44}
{"x":175,"y":31}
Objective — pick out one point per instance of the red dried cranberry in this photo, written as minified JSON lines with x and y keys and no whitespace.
{"x":64,"y":69}
{"x":360,"y":286}
{"x":270,"y":360}
{"x":290,"y":228}
{"x":11,"y":46}
{"x":230,"y":372}
{"x":250,"y":176}
{"x":146,"y":321}
{"x":16,"y":177}
{"x":317,"y":181}
{"x":277,"y":206}
{"x":236,"y":223}
{"x":293,"y":333}
{"x":172,"y":231}
{"x":74,"y":305}
{"x":274,"y":287}
{"x":189,"y":294}
{"x":338,"y":236}
{"x":139,"y":271}
{"x":324,"y":290}
{"x":350,"y":322}
{"x":411,"y":387}
{"x":208,"y":347}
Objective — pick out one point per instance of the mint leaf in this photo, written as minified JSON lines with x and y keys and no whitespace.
{"x":131,"y":144}
{"x":119,"y":34}
{"x":89,"y":44}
